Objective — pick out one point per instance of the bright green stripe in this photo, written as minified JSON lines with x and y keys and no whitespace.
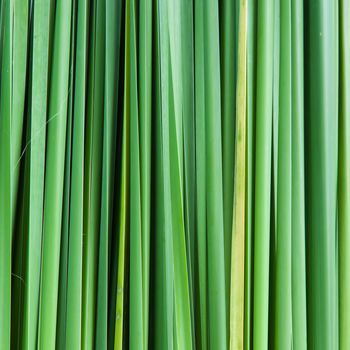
{"x":251,"y":83}
{"x":201,"y":229}
{"x":298,"y":182}
{"x":75,"y":254}
{"x":5,"y":172}
{"x":239,"y":216}
{"x":145,"y":99}
{"x":54,"y":174}
{"x":321,"y":101}
{"x":39,"y":92}
{"x":263,"y":173}
{"x":344,"y":179}
{"x":283,"y":325}
{"x":214,"y":196}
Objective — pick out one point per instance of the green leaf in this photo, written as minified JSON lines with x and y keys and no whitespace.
{"x":75,"y":252}
{"x":6,"y":108}
{"x":263,"y":149}
{"x":283,"y":320}
{"x":20,"y":42}
{"x":189,"y":148}
{"x":145,"y":127}
{"x":136,"y":336}
{"x":201,"y":222}
{"x":93,"y":171}
{"x":344,"y":180}
{"x":298,"y":181}
{"x":54,"y":176}
{"x":251,"y":99}
{"x":321,"y":136}
{"x":38,"y":113}
{"x":229,"y":21}
{"x":214,"y":190}
{"x":112,"y":46}
{"x":124,"y":217}
{"x":239,"y":207}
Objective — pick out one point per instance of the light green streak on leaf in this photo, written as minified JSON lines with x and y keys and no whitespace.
{"x":239,"y":207}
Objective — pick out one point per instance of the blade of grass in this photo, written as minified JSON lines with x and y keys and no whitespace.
{"x":283,"y":325}
{"x":136,"y":340}
{"x":336,"y":25}
{"x":188,"y":121}
{"x":19,"y":60}
{"x":20,"y":41}
{"x":173,"y":145}
{"x":161,"y":334}
{"x":274,"y":186}
{"x":167,"y":249}
{"x":65,"y":234}
{"x":201,"y":229}
{"x":263,"y":172}
{"x":6,"y":101}
{"x":75,"y":252}
{"x":298,"y":182}
{"x":93,"y":172}
{"x":239,"y":215}
{"x":173,"y":142}
{"x":54,"y":176}
{"x":276,"y":98}
{"x":251,"y":99}
{"x":145,"y":104}
{"x":321,"y":91}
{"x":39,"y":94}
{"x":112,"y":44}
{"x":124,"y":215}
{"x":19,"y":243}
{"x":344,"y":180}
{"x":214,"y":190}
{"x":228,"y":61}
{"x":116,"y":21}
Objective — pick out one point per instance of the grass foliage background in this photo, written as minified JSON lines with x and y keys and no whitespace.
{"x":174,"y":174}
